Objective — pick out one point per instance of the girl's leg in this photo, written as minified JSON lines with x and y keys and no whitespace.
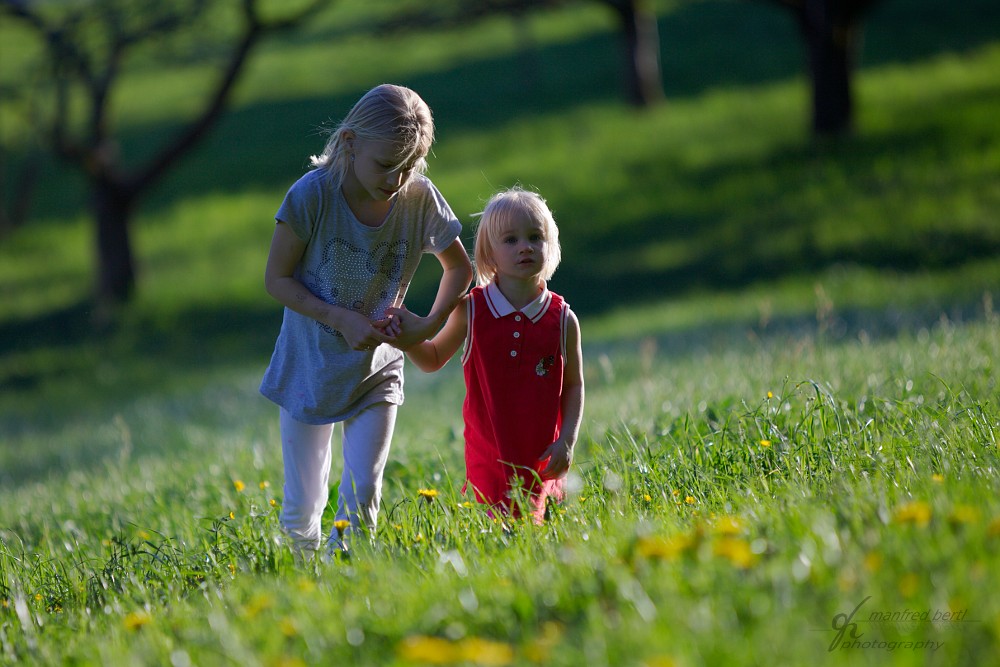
{"x":305,"y":449}
{"x":366,"y":450}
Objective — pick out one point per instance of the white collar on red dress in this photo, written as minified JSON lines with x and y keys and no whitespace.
{"x":500,"y":306}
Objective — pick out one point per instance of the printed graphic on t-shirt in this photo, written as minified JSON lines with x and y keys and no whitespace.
{"x":346,"y":273}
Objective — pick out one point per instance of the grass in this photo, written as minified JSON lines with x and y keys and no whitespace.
{"x":790,"y":360}
{"x":724,"y":499}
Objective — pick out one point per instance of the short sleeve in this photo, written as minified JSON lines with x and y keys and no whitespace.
{"x":442,"y":226}
{"x":302,"y":205}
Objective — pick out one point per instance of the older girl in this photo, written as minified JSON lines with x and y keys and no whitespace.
{"x":348,"y":238}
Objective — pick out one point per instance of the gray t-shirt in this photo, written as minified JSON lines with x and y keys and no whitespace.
{"x":313,"y":373}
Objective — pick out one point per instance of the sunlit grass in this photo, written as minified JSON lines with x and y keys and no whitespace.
{"x":798,"y":418}
{"x":754,"y":491}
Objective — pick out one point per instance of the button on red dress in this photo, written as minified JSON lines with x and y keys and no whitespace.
{"x":513,"y":363}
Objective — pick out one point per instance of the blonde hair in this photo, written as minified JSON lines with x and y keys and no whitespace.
{"x":497,"y":218}
{"x":385,"y":113}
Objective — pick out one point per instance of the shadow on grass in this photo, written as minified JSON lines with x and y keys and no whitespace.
{"x":705,"y":46}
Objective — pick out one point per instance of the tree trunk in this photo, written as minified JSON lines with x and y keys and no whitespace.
{"x":642,"y":51}
{"x":833,"y":39}
{"x":116,"y":269}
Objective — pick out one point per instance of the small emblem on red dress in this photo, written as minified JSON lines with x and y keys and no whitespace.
{"x":542,"y":369}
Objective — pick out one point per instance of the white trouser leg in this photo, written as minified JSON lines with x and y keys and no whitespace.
{"x":305,"y":449}
{"x":366,"y":449}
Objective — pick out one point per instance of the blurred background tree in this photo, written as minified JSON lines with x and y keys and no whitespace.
{"x":68,"y":96}
{"x":636,"y":20}
{"x":832,"y":31}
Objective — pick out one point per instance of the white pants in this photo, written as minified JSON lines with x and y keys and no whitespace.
{"x":307,"y":452}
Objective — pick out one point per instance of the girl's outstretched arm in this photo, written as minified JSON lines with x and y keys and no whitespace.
{"x":280,"y":282}
{"x":560,"y":452}
{"x":455,"y":280}
{"x":431,"y":355}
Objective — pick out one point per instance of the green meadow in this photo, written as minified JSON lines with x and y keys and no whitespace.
{"x":789,"y":452}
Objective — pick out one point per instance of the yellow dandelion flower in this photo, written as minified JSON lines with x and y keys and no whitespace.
{"x":485,"y":652}
{"x":539,"y":649}
{"x":690,"y":500}
{"x":232,"y":569}
{"x":909,"y":584}
{"x":38,"y":597}
{"x":258,"y":603}
{"x":272,"y":502}
{"x":770,"y":395}
{"x":232,"y":515}
{"x":917,"y":512}
{"x":341,"y":525}
{"x":288,"y":628}
{"x":765,"y":443}
{"x":466,"y":505}
{"x":963,"y":514}
{"x":239,"y":485}
{"x":648,"y":498}
{"x":664,"y":548}
{"x":419,"y":537}
{"x":137,"y":620}
{"x":263,"y":485}
{"x":431,"y":650}
{"x":660,"y":661}
{"x":736,"y":551}
{"x":937,"y":478}
{"x":873,"y":561}
{"x":728,"y":525}
{"x":675,"y":493}
{"x":427,"y":494}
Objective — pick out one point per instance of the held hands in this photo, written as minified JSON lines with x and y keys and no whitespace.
{"x":363,"y":334}
{"x":560,"y":456}
{"x":407,"y":328}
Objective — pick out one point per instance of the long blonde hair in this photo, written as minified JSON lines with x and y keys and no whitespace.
{"x":385,"y":113}
{"x":497,"y":217}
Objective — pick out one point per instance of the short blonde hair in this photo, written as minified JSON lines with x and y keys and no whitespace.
{"x":497,"y":217}
{"x":385,"y":113}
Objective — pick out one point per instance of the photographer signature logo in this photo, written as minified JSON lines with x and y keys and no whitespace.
{"x":843,"y":623}
{"x":848,"y":634}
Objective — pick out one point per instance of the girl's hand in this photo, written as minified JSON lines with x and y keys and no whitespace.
{"x":408,"y":327}
{"x":560,"y":456}
{"x":390,"y":326}
{"x":361,"y":333}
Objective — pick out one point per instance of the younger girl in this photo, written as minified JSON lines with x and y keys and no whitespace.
{"x":348,"y":238}
{"x":522,"y":359}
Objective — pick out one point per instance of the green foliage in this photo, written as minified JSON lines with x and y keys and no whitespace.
{"x":790,"y":359}
{"x":716,"y":494}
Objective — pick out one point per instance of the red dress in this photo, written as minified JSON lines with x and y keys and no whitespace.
{"x":513,"y":363}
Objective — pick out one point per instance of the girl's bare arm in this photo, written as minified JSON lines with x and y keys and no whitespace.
{"x":280,"y":282}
